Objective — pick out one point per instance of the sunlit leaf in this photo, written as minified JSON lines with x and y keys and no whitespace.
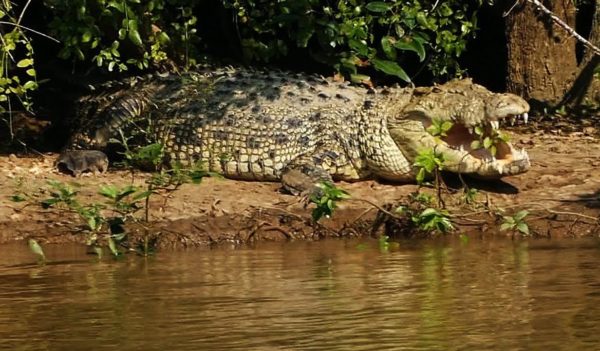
{"x":24,"y":63}
{"x":391,"y":68}
{"x":37,"y":249}
{"x":378,"y":6}
{"x":135,"y":37}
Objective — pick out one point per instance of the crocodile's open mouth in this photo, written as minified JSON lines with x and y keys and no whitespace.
{"x":483,"y":150}
{"x":480,"y":150}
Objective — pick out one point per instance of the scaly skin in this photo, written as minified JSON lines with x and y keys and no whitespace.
{"x":256,"y":125}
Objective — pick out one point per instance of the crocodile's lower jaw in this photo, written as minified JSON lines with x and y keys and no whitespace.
{"x":513,"y":162}
{"x":507,"y":161}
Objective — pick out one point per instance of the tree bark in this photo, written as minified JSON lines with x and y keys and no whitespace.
{"x":542,"y":61}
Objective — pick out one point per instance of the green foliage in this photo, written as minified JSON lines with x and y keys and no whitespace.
{"x":120,"y":34}
{"x":351,"y":34}
{"x":326,"y":200}
{"x":433,"y":220}
{"x":105,"y":221}
{"x":488,"y":141}
{"x":60,"y":193}
{"x":424,"y":218}
{"x":17,"y":198}
{"x":17,"y":73}
{"x":516,"y":223}
{"x":470,"y":195}
{"x":439,"y":128}
{"x":428,"y":162}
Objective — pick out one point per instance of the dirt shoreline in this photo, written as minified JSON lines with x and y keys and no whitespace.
{"x":561,"y":191}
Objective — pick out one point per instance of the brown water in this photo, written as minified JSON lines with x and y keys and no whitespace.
{"x":332,"y":295}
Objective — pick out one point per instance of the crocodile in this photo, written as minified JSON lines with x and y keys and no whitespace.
{"x":254,"y":124}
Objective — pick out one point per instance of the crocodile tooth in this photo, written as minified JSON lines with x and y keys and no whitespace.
{"x":525,"y":117}
{"x":500,"y":168}
{"x":461,"y":148}
{"x":513,"y":119}
{"x":472,"y":130}
{"x":495,"y":124}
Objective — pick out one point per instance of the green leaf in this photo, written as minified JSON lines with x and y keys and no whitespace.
{"x":37,"y":249}
{"x":25,"y":63}
{"x":487,"y":142}
{"x":86,"y":36}
{"x":360,"y":78}
{"x":358,"y":46}
{"x":142,"y":195}
{"x":523,"y":228}
{"x":378,"y":6}
{"x":30,"y":84}
{"x":113,"y":247}
{"x":31,"y":72}
{"x":429,"y":212}
{"x":117,"y":4}
{"x":163,"y":38}
{"x":391,"y":68}
{"x":421,"y":176}
{"x":92,"y":223}
{"x":506,"y":226}
{"x":411,"y":45}
{"x":109,"y":191}
{"x":388,"y":47}
{"x":520,"y":215}
{"x":135,"y":37}
{"x":18,"y":198}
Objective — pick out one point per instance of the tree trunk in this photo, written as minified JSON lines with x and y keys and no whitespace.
{"x":542,"y":61}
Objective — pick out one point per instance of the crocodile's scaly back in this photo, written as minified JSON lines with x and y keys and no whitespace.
{"x":251,"y":124}
{"x":258,"y":125}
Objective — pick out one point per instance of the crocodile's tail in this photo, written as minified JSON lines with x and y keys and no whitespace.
{"x":117,"y":108}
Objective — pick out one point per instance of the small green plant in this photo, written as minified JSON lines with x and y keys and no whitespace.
{"x":422,"y":198}
{"x":61,"y":193}
{"x":17,"y":73}
{"x":488,"y":142}
{"x":326,"y":200}
{"x":470,"y":195}
{"x":123,"y":34}
{"x":430,"y":162}
{"x":439,"y":128}
{"x":18,"y":197}
{"x":433,"y":220}
{"x":516,"y":223}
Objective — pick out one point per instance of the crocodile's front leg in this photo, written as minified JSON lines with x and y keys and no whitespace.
{"x":302,"y":177}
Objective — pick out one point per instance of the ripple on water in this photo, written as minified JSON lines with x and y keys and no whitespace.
{"x":331,"y":295}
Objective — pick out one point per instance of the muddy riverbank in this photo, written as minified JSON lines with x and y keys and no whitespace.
{"x":561,"y":192}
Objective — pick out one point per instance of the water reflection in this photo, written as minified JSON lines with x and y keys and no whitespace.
{"x":333,"y":295}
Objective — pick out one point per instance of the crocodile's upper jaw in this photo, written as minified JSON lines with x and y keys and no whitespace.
{"x":457,"y":145}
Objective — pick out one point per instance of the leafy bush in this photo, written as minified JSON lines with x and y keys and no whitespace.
{"x":118,"y":34}
{"x":17,"y":75}
{"x":351,"y":34}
